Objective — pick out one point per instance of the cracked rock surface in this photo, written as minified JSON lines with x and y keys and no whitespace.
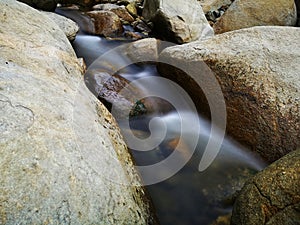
{"x":62,"y":158}
{"x":271,"y":197}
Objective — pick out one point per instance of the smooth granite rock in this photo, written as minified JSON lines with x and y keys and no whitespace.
{"x":62,"y":158}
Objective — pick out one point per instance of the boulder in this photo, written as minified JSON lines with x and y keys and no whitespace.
{"x":145,"y":50}
{"x":63,"y":160}
{"x":106,"y":23}
{"x":271,"y":197}
{"x":258,"y":71}
{"x":177,"y":21}
{"x":250,"y":13}
{"x":69,"y":27}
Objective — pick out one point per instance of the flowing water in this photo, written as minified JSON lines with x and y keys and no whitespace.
{"x":189,"y":197}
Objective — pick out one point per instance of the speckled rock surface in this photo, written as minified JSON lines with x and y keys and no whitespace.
{"x":177,"y":21}
{"x":250,"y":13}
{"x":69,"y":27}
{"x":258,"y":70}
{"x":62,"y":158}
{"x":106,"y":23}
{"x":272,"y":197}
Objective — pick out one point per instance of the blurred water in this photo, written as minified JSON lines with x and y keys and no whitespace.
{"x":190,"y":197}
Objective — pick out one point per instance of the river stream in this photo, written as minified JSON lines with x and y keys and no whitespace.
{"x":189,"y":197}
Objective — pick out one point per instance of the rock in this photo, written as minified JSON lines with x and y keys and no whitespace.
{"x":213,"y":5}
{"x":69,"y":27}
{"x":132,"y":9}
{"x":272,"y":197}
{"x":47,"y":5}
{"x":120,"y":11}
{"x":141,"y":26}
{"x":177,"y":21}
{"x":257,"y":69}
{"x":63,"y":160}
{"x":108,"y":88}
{"x":106,"y":23}
{"x":245,"y":13}
{"x":145,"y":50}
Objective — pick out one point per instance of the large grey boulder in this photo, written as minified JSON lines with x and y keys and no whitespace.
{"x":250,"y":13}
{"x":258,"y":71}
{"x":62,"y":158}
{"x":271,"y":197}
{"x":177,"y":21}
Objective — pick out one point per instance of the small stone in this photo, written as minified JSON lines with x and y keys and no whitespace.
{"x":132,"y":9}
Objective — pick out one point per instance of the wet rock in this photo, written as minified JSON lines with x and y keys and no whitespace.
{"x":121,"y":97}
{"x":47,"y":5}
{"x":245,"y":13}
{"x":272,"y":197}
{"x":108,"y":91}
{"x":141,"y":26}
{"x":55,"y":168}
{"x":69,"y":27}
{"x":120,"y":11}
{"x":106,"y":23}
{"x":177,"y":20}
{"x":257,"y":69}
